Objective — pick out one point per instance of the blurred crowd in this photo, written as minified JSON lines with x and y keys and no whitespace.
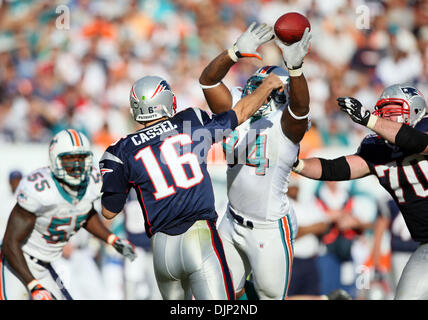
{"x":72,"y":63}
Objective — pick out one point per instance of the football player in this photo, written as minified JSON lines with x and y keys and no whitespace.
{"x":396,"y":155}
{"x":166,"y":163}
{"x":53,"y":203}
{"x":259,"y":226}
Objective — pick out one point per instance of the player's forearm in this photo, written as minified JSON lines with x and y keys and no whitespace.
{"x":15,"y":257}
{"x":299,"y":95}
{"x":19,"y":227}
{"x":402,"y":135}
{"x":309,"y":168}
{"x":216,"y":69}
{"x":340,"y":169}
{"x":95,"y":226}
{"x":248,"y":105}
{"x":387,"y":129}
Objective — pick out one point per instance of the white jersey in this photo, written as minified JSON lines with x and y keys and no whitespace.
{"x":59,"y":216}
{"x":257,"y":185}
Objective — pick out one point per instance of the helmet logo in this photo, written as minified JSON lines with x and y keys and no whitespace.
{"x":163,"y":85}
{"x":410,"y":92}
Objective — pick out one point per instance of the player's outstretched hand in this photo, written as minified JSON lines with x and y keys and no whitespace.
{"x":294,"y":54}
{"x":355,"y":109}
{"x":125,"y":248}
{"x":250,"y":40}
{"x":40,"y":293}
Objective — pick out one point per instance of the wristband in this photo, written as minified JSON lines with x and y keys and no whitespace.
{"x":32,"y":284}
{"x":297,"y":117}
{"x":299,"y":167}
{"x":232,"y":54}
{"x":295,"y":72}
{"x":204,"y":86}
{"x":372,"y":122}
{"x":112,"y":239}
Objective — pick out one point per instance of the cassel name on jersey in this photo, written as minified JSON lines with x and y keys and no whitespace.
{"x":152,"y":132}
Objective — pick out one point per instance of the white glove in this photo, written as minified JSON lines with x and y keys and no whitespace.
{"x":294,"y":54}
{"x":250,"y":40}
{"x":124,"y":247}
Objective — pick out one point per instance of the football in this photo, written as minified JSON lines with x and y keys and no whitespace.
{"x":289,"y":27}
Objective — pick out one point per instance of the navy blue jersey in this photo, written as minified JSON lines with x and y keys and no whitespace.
{"x":399,"y":241}
{"x":166,"y":165}
{"x":404,"y":176}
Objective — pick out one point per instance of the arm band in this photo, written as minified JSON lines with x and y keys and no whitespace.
{"x":411,"y":139}
{"x":113,"y":202}
{"x":205,"y":86}
{"x":335,"y":170}
{"x":298,"y":117}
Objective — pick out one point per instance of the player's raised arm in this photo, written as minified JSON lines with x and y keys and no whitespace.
{"x":249,"y":104}
{"x":19,"y":227}
{"x":339,"y":169}
{"x":294,"y":119}
{"x":216,"y":93}
{"x":402,"y":135}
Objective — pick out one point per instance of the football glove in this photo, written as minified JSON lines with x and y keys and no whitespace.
{"x":40,"y":293}
{"x":124,"y":247}
{"x":356,"y":111}
{"x":294,"y":54}
{"x":250,"y":40}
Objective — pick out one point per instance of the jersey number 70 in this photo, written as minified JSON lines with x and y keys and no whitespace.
{"x":409,"y":166}
{"x":175,"y":165}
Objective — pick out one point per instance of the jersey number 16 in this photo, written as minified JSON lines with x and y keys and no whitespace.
{"x":175,"y":165}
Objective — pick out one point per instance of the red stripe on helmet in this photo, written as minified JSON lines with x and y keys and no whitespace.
{"x":133,"y":93}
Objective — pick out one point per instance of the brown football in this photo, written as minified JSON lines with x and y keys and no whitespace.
{"x":289,"y":27}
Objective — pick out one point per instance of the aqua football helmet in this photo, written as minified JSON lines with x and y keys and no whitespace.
{"x":70,"y":157}
{"x":276,"y":98}
{"x":151,"y":98}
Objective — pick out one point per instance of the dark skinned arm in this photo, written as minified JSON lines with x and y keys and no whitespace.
{"x":299,"y":104}
{"x":218,"y":98}
{"x":95,"y":226}
{"x":19,"y":227}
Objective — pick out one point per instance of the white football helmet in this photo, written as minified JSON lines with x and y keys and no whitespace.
{"x":276,"y":99}
{"x":70,"y":142}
